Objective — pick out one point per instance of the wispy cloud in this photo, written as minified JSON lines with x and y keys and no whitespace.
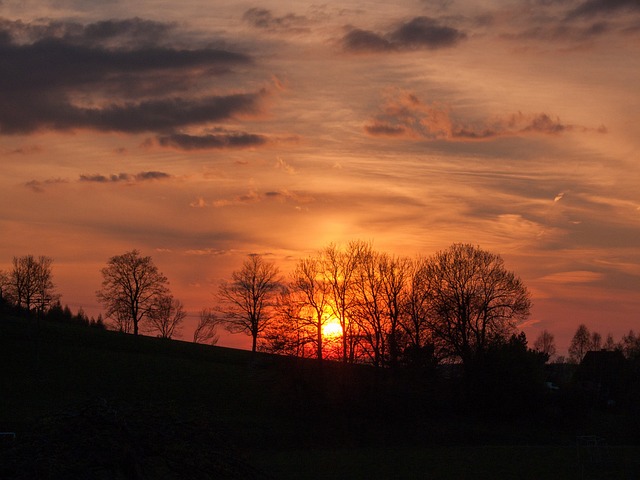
{"x":404,"y":115}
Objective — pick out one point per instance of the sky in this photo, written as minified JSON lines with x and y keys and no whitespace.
{"x":200,"y":132}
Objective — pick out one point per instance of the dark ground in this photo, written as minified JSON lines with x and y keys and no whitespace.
{"x":90,"y":404}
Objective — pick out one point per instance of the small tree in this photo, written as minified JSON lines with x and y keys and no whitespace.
{"x":131,"y":288}
{"x":166,"y":317}
{"x":246,"y":302}
{"x":4,"y":289}
{"x":206,"y":330}
{"x":580,"y":344}
{"x":630,"y":345}
{"x":609,"y":343}
{"x":545,"y":344}
{"x":30,"y":283}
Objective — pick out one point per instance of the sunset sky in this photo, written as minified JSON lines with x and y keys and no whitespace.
{"x":199,"y":132}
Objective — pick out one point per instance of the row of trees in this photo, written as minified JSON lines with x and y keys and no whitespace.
{"x":450,"y":306}
{"x":136,"y":298}
{"x":134,"y":293}
{"x":584,"y":341}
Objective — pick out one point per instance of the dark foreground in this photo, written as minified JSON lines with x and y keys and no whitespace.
{"x":89,"y":404}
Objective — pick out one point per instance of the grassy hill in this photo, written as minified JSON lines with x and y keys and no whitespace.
{"x":86,"y":403}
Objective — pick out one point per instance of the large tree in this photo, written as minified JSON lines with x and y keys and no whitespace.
{"x":131,"y":289}
{"x":247,"y":301}
{"x":473,"y":299}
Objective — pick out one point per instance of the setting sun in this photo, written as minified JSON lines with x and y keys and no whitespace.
{"x":332,"y":328}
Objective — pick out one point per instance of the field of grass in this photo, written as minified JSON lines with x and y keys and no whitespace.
{"x":86,"y":403}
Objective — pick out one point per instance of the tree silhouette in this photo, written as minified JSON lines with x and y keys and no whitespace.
{"x":166,"y":317}
{"x":340,"y":269}
{"x":132,"y":286}
{"x":545,"y":344}
{"x":206,"y":329}
{"x":30,"y":283}
{"x":580,"y":344}
{"x":309,"y":283}
{"x":247,"y":301}
{"x":416,"y":306}
{"x":473,"y":300}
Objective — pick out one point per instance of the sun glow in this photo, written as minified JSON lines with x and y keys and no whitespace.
{"x":331,"y":328}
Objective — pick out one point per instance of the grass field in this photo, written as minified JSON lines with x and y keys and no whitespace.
{"x":86,"y":403}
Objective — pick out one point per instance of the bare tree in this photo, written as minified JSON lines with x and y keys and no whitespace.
{"x":166,"y":317}
{"x":596,"y":341}
{"x":609,"y":344}
{"x":131,"y":289}
{"x":473,"y":299}
{"x":630,"y":345}
{"x":545,"y":343}
{"x":369,"y":306}
{"x":30,"y":282}
{"x":4,"y":286}
{"x":339,"y":269}
{"x":206,"y":330}
{"x":309,"y":282}
{"x":246,"y":303}
{"x":290,"y":332}
{"x":416,"y":306}
{"x":394,"y":273}
{"x":580,"y":344}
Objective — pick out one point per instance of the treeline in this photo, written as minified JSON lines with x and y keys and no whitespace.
{"x":449,"y":307}
{"x":584,"y":341}
{"x":28,"y":290}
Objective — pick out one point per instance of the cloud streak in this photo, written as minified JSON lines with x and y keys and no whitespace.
{"x":213,"y":141}
{"x":125,"y":177}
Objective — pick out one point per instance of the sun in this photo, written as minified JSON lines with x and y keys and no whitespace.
{"x":331,"y":328}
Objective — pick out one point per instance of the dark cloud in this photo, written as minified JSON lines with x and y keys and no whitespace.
{"x":46,"y":68}
{"x":21,"y":115}
{"x":125,"y":177}
{"x":592,"y":8}
{"x":579,"y":21}
{"x":420,"y":32}
{"x":125,"y":32}
{"x":365,"y":41}
{"x":426,"y":32}
{"x":381,"y":129}
{"x":212,"y":141}
{"x":38,"y":186}
{"x":264,"y":19}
